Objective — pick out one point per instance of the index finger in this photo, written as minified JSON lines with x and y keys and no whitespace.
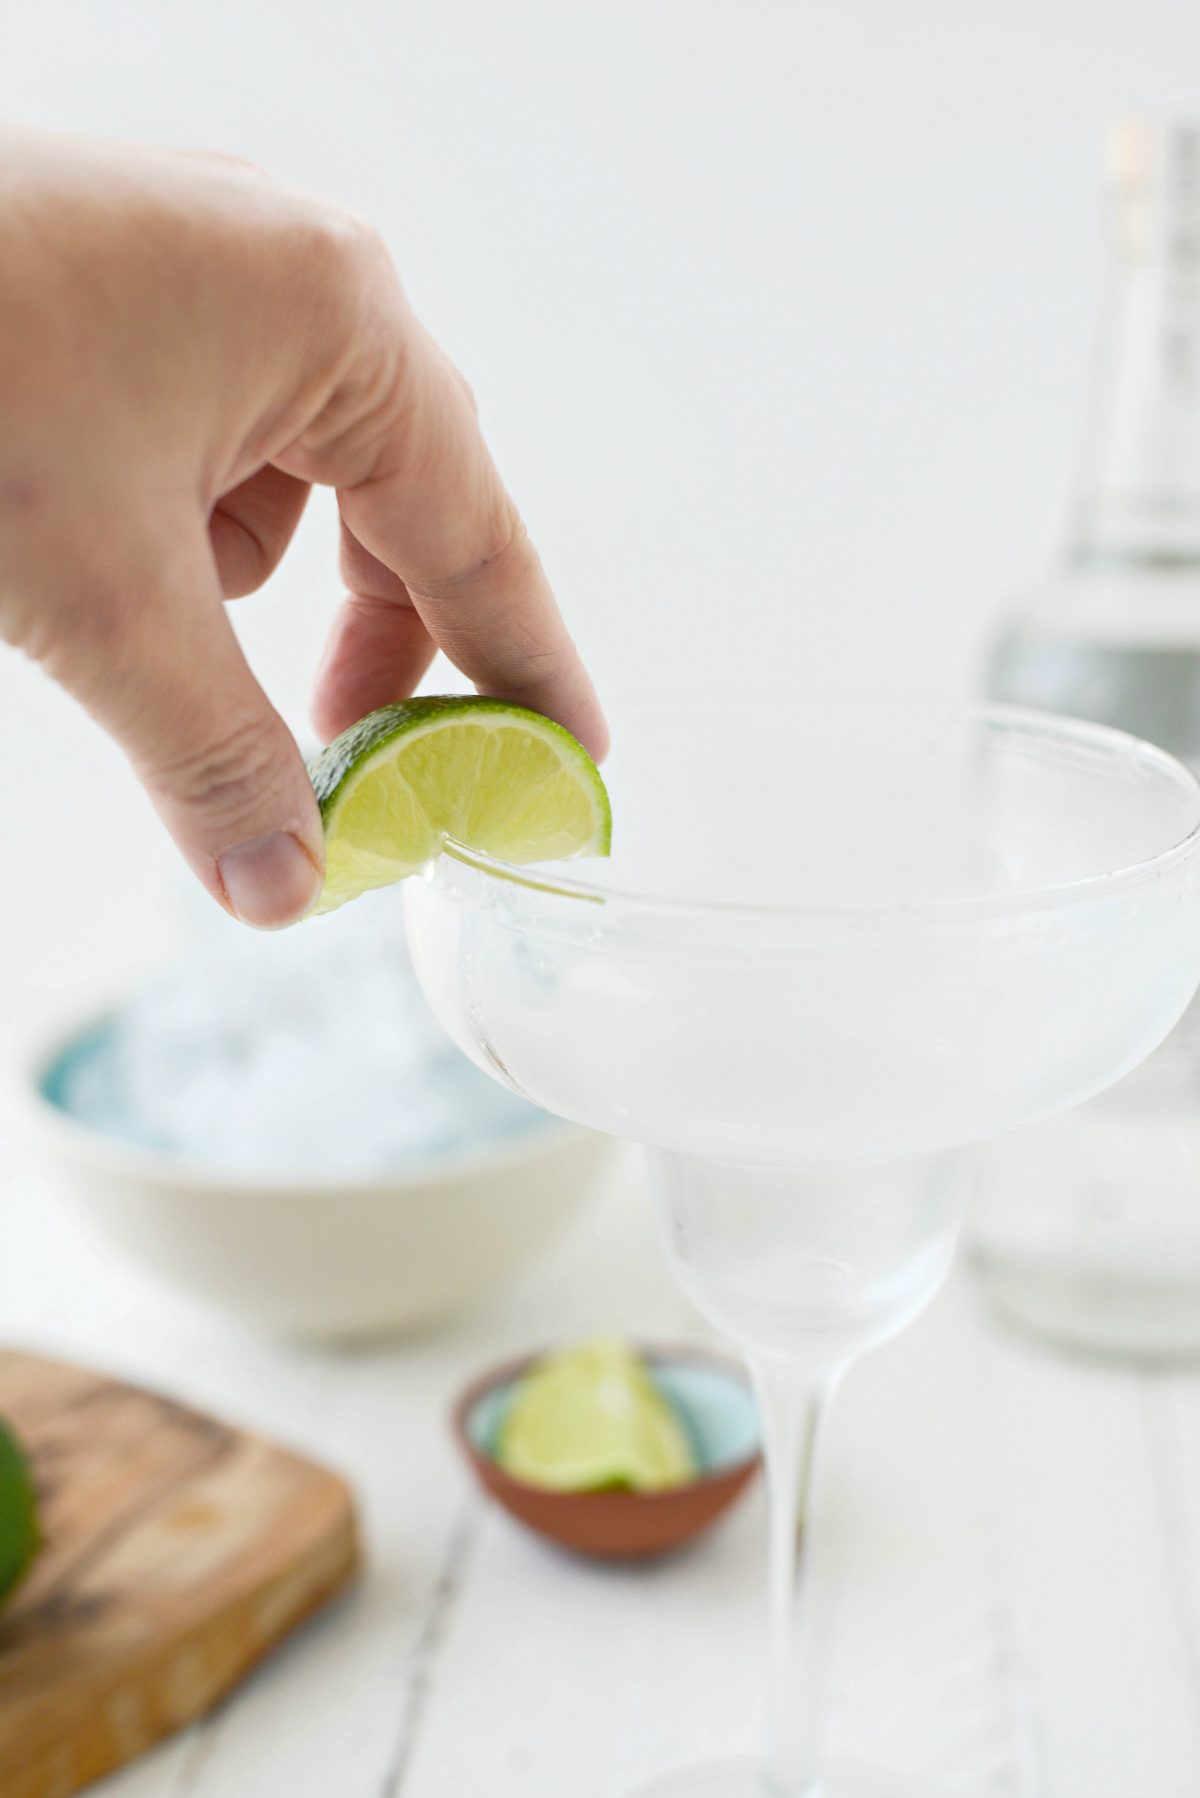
{"x":434,"y":515}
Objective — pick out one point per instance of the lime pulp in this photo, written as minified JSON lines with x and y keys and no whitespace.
{"x":406,"y":780}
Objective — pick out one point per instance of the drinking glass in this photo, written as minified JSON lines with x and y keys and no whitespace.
{"x":838,"y":945}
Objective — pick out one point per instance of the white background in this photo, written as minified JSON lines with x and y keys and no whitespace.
{"x":779,"y":311}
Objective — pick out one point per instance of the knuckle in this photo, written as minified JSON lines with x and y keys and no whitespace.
{"x":226,"y":776}
{"x":224,"y":159}
{"x":345,"y":251}
{"x":366,"y":245}
{"x":347,"y":443}
{"x":465,"y":387}
{"x":504,"y":541}
{"x":75,"y":627}
{"x":28,"y":629}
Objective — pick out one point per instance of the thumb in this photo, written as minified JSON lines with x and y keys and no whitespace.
{"x":167,"y":679}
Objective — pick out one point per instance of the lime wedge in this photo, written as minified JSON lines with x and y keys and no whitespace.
{"x":409,"y":778}
{"x":590,"y":1418}
{"x":20,"y":1536}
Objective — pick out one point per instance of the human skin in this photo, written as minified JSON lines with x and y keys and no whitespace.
{"x":186,"y":347}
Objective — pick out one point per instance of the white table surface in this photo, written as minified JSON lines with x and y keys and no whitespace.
{"x":1011,"y":1538}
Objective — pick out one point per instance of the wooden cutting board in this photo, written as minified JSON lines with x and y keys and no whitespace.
{"x":178,"y":1552}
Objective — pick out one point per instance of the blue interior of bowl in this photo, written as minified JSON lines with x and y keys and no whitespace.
{"x":107,"y":1108}
{"x":55,"y":1083}
{"x":88,"y":1080}
{"x":714,"y":1404}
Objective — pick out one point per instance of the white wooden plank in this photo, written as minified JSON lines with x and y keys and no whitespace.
{"x":1089,"y":1568}
{"x":926,"y":1645}
{"x":1172,"y":1408}
{"x":560,"y":1676}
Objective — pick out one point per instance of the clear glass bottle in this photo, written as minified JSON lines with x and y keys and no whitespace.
{"x":1088,"y":1228}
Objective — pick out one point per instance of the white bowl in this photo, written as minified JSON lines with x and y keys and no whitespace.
{"x":320,"y":1258}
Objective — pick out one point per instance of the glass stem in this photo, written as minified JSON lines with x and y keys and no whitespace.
{"x":793,"y":1404}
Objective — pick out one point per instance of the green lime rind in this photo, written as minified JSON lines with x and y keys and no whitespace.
{"x":20,"y":1531}
{"x":412,"y":778}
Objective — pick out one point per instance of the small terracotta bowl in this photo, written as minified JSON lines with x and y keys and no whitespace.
{"x":714,"y":1400}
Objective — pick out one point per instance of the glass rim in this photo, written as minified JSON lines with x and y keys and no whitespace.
{"x":1048,"y":726}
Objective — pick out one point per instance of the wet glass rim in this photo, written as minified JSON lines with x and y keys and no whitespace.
{"x":1033,"y":723}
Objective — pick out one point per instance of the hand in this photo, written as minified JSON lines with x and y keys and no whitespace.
{"x":185,"y":348}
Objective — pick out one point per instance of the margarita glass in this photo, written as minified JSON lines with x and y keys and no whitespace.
{"x":836,"y":947}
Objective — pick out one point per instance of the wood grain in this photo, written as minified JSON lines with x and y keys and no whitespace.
{"x":178,"y":1552}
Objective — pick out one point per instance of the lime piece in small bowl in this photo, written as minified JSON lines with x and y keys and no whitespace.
{"x":711,"y":1401}
{"x":590,"y":1419}
{"x":408,"y":779}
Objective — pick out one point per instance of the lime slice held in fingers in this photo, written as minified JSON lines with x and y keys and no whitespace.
{"x":409,"y":778}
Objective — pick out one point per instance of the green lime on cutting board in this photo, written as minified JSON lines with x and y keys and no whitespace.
{"x":20,"y":1532}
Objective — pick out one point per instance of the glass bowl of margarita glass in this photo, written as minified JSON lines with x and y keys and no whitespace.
{"x":840,"y":943}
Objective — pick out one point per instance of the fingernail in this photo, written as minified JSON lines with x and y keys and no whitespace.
{"x":269,"y":881}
